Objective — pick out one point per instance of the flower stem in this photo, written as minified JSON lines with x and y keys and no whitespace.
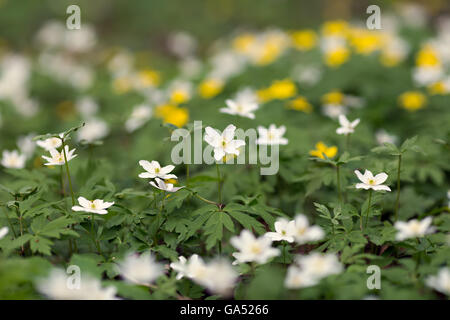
{"x":10,"y":224}
{"x":68,"y":172}
{"x":338,"y":178}
{"x":94,"y":237}
{"x":62,"y":182}
{"x":19,"y":216}
{"x":368,"y":208}
{"x":397,"y":200}
{"x":219,"y":189}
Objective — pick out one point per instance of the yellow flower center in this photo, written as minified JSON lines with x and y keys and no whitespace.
{"x":256,"y":249}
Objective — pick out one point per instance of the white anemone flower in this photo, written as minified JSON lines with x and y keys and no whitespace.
{"x":319,"y":265}
{"x":413,"y":228}
{"x":304,"y":233}
{"x":371,"y":182}
{"x":346,"y":127}
{"x":95,"y":206}
{"x":219,"y":277}
{"x":297,"y":278}
{"x":271,"y":135}
{"x":180,"y":267}
{"x":3,"y":232}
{"x":13,"y":159}
{"x":284,"y":230}
{"x":57,"y":158}
{"x":161,"y":185}
{"x":26,"y":145}
{"x":224,"y":143}
{"x":153,"y":170}
{"x":50,"y":143}
{"x":440,"y":282}
{"x":140,"y":269}
{"x":241,"y":108}
{"x":251,"y":249}
{"x":58,"y":286}
{"x":383,"y":137}
{"x":139,"y":116}
{"x":93,"y":130}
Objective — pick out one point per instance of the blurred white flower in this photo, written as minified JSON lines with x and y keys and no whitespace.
{"x":50,"y":143}
{"x":448,"y":197}
{"x":95,"y":206}
{"x":13,"y":159}
{"x":297,"y":278}
{"x":440,"y":282}
{"x":226,"y":64}
{"x":241,"y":108}
{"x":284,"y":230}
{"x":3,"y":232}
{"x":153,"y":170}
{"x":224,"y":143}
{"x":51,"y":34}
{"x":139,"y":116}
{"x":413,"y":228}
{"x":252,"y":249}
{"x":219,"y":277}
{"x":303,"y":232}
{"x":26,"y":144}
{"x":182,"y":44}
{"x":93,"y":130}
{"x":319,"y":265}
{"x":346,"y":127}
{"x":57,"y":158}
{"x":190,"y":67}
{"x":140,"y":269}
{"x":426,"y":75}
{"x":413,"y":15}
{"x":333,"y":110}
{"x":180,"y":267}
{"x":121,"y":63}
{"x":309,"y":75}
{"x":161,"y":185}
{"x":383,"y":137}
{"x":271,"y":135}
{"x":56,"y":286}
{"x":86,"y":106}
{"x":80,"y":40}
{"x":371,"y":182}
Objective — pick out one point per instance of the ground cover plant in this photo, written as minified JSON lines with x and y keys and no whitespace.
{"x":346,"y":195}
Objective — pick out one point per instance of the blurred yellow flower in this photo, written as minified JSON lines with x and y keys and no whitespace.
{"x":304,"y":40}
{"x":427,"y":56}
{"x":335,"y":28}
{"x":172,"y":181}
{"x":270,"y":52}
{"x":438,"y":87}
{"x":337,"y":56}
{"x":282,"y":89}
{"x":333,"y":97}
{"x":122,"y":84}
{"x":412,"y":100}
{"x":301,"y":104}
{"x":365,"y":41}
{"x":243,"y":42}
{"x":179,"y":96}
{"x":321,"y":149}
{"x":172,"y":114}
{"x":210,"y":88}
{"x":390,"y":59}
{"x":149,"y":78}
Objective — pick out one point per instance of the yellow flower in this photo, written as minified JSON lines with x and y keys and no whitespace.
{"x":149,"y":78}
{"x":282,"y":89}
{"x":210,"y":88}
{"x":304,"y":40}
{"x":172,"y":181}
{"x":264,"y":95}
{"x":301,"y":104}
{"x":365,"y":41}
{"x":270,"y":52}
{"x":390,"y":58}
{"x":333,"y":97}
{"x":426,"y":57}
{"x":242,"y":43}
{"x":122,"y":85}
{"x":172,"y":114}
{"x":335,"y":28}
{"x":336,"y":57}
{"x":321,"y":149}
{"x":438,"y":87}
{"x":412,"y":100}
{"x":178,"y":96}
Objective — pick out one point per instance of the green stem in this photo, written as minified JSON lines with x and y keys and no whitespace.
{"x":94,"y":237}
{"x":68,"y":172}
{"x":284,"y":252}
{"x":368,"y":208}
{"x":62,"y":182}
{"x":398,"y":186}
{"x":10,"y":224}
{"x":219,"y":189}
{"x":338,"y":178}
{"x":19,"y":215}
